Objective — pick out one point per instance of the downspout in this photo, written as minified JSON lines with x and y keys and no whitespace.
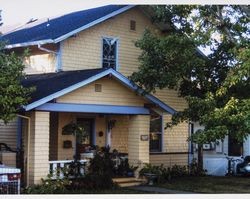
{"x":28,"y":148}
{"x":57,"y":54}
{"x":190,"y":143}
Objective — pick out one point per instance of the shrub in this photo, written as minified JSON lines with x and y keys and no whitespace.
{"x":49,"y":186}
{"x":161,"y":172}
{"x":178,"y":171}
{"x":100,"y":172}
{"x":194,"y":170}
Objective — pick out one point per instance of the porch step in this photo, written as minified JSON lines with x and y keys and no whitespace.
{"x":128,"y":182}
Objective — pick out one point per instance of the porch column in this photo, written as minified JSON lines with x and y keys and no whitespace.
{"x":38,"y":162}
{"x":138,"y":149}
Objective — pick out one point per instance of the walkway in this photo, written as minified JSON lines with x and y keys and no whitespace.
{"x":152,"y":189}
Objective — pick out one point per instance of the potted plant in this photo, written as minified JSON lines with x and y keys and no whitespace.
{"x":131,"y":171}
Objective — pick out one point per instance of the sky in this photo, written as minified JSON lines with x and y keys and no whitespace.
{"x":21,"y":11}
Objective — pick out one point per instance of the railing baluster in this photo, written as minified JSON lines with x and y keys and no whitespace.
{"x":61,"y":170}
{"x":55,"y":167}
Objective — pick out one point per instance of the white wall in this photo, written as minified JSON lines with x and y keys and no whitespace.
{"x":246,"y":146}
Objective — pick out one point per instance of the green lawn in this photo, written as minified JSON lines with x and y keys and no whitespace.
{"x":210,"y":184}
{"x":114,"y":191}
{"x":107,"y":191}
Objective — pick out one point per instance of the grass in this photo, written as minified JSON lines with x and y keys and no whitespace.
{"x":204,"y":184}
{"x":108,"y":191}
{"x":87,"y":191}
{"x":210,"y":184}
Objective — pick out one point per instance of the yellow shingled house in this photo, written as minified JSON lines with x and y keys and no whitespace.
{"x":80,"y":64}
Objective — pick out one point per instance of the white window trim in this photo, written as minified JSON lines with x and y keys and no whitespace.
{"x":116,"y":53}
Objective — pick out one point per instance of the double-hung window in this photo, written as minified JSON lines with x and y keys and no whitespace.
{"x":109,"y":52}
{"x":155,"y":132}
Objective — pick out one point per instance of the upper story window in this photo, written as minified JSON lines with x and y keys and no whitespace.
{"x":109,"y":53}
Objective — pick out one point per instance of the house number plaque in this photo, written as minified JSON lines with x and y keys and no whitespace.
{"x":144,"y":137}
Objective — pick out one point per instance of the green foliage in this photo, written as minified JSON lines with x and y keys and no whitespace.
{"x":99,"y":173}
{"x":98,"y":177}
{"x":102,"y":163}
{"x":50,"y":186}
{"x":12,"y":94}
{"x":161,"y":172}
{"x":92,"y":182}
{"x":77,"y":130}
{"x":194,"y":169}
{"x":149,"y":168}
{"x":215,"y":86}
{"x":176,"y":171}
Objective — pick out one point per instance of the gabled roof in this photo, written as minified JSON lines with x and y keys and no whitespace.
{"x":59,"y":28}
{"x":53,"y":85}
{"x":49,"y":83}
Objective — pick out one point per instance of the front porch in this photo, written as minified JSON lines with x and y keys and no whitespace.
{"x":49,"y":148}
{"x":112,"y":109}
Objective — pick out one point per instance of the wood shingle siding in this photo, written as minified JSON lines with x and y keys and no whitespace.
{"x":65,"y":154}
{"x":169,"y":160}
{"x":113,"y":93}
{"x":85,"y":49}
{"x":39,"y":147}
{"x":138,"y":150}
{"x":8,"y":133}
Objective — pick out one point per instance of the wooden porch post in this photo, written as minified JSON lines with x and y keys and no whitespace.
{"x":108,"y":133}
{"x":138,"y":149}
{"x":39,"y":147}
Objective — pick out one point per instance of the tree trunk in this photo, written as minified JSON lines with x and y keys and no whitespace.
{"x":200,"y":157}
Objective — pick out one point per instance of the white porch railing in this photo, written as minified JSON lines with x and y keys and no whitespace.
{"x":56,"y":167}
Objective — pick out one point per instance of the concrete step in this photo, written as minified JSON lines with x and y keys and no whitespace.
{"x":129,"y":181}
{"x":124,"y":179}
{"x":129,"y":184}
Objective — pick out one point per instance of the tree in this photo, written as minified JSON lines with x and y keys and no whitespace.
{"x":216,"y":86}
{"x":12,"y":94}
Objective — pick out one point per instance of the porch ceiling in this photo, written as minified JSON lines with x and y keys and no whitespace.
{"x":93,"y":108}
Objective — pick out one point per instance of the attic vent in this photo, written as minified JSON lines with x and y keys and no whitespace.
{"x":132,"y":25}
{"x":98,"y":88}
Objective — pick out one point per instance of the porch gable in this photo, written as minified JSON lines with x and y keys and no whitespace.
{"x":70,"y":81}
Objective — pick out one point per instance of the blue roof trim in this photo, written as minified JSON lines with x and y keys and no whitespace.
{"x":125,"y":81}
{"x":63,"y":37}
{"x":150,"y":97}
{"x":93,"y":108}
{"x":66,"y":90}
{"x":61,"y":28}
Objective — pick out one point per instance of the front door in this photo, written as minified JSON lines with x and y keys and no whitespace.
{"x":88,"y":125}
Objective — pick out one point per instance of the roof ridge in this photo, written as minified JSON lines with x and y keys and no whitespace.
{"x":61,"y":27}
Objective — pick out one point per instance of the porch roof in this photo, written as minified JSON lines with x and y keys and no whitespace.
{"x":53,"y":85}
{"x":93,"y":108}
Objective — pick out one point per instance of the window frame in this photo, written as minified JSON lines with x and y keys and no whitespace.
{"x":161,"y":141}
{"x":116,"y":51}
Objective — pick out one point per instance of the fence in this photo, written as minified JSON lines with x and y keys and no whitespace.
{"x":9,"y":180}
